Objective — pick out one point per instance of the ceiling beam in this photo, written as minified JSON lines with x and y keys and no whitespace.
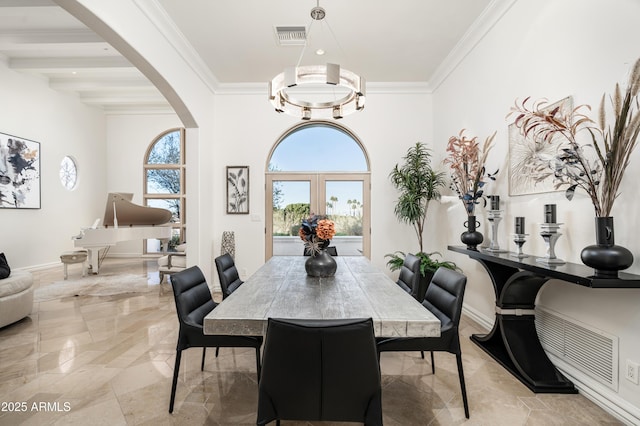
{"x":52,"y":64}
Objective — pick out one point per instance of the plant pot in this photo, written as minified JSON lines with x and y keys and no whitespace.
{"x":425,"y":280}
{"x":321,"y":264}
{"x":605,"y":257}
{"x":471,"y":237}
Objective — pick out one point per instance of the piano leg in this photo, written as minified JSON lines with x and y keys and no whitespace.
{"x":94,"y":260}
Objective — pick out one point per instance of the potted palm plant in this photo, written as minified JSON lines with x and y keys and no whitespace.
{"x":418,"y":184}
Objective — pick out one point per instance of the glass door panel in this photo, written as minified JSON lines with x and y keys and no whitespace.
{"x":291,"y":202}
{"x":343,"y":197}
{"x":344,"y":205}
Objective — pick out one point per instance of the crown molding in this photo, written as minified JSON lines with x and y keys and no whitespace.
{"x":372,"y":88}
{"x":161,"y":20}
{"x":476,"y":32}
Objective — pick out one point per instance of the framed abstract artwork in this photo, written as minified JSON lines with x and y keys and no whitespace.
{"x":530,"y":161}
{"x":19,"y":173}
{"x":238,"y":189}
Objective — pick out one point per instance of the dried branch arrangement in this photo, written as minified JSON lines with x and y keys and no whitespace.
{"x":596,"y":167}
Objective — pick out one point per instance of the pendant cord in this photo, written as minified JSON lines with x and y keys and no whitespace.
{"x":304,"y":48}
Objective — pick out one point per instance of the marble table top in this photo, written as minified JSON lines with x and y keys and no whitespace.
{"x":282,"y":289}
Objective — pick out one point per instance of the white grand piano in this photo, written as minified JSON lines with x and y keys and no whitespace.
{"x":123,"y":221}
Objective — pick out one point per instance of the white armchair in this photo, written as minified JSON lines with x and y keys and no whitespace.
{"x":173,"y":262}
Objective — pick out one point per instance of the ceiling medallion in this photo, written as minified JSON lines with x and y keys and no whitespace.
{"x":302,"y":91}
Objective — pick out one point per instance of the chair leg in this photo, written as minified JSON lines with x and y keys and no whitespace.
{"x":462,"y":386}
{"x":176,"y":370}
{"x":217,"y":351}
{"x":204,"y":353}
{"x":433,"y":364}
{"x":258,"y":364}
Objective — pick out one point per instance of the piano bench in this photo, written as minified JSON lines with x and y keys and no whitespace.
{"x":78,"y":256}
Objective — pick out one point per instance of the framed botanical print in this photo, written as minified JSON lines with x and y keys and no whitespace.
{"x":530,"y":161}
{"x":238,"y":189}
{"x":19,"y":173}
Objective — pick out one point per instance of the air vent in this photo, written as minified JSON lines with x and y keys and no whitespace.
{"x":291,"y":36}
{"x":580,"y":345}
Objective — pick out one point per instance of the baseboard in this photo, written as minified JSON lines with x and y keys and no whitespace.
{"x":40,"y":267}
{"x":600,"y":395}
{"x":603,"y":397}
{"x":478,"y":317}
{"x":131,"y":255}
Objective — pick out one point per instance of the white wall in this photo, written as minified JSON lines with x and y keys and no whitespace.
{"x":247,"y":128}
{"x":385,"y":130}
{"x":552,"y":49}
{"x":63,"y":126}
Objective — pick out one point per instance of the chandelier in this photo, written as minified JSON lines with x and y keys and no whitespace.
{"x":321,"y":91}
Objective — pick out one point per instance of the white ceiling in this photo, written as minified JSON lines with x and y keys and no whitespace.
{"x":404,"y":41}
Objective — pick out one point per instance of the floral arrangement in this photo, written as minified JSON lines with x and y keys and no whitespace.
{"x":600,"y":173}
{"x":467,"y":163}
{"x":317,"y":232}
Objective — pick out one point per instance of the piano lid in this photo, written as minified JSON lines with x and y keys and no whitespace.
{"x":130,"y":214}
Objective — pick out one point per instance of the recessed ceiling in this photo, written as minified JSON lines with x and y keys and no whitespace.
{"x":384,"y":41}
{"x":401,"y":41}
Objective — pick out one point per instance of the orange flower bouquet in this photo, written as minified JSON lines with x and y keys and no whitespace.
{"x":317,"y":232}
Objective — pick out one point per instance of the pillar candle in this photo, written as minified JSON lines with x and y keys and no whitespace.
{"x":495,"y":202}
{"x":549,"y":213}
{"x":520,"y":225}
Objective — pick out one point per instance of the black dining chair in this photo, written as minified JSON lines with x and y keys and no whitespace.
{"x":332,"y":250}
{"x":409,"y":278}
{"x":443,"y":298}
{"x":320,"y":370}
{"x":193,"y":303}
{"x":228,"y":274}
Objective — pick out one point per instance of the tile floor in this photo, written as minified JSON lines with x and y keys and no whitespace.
{"x":109,"y":360}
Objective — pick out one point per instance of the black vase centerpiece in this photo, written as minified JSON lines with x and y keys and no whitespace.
{"x":605,"y":257}
{"x":471,"y":237}
{"x":320,"y":264}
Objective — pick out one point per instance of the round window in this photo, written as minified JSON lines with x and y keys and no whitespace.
{"x":68,"y":173}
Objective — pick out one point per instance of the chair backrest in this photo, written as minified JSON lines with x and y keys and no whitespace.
{"x":320,"y":370}
{"x":228,"y":274}
{"x":192,"y":296}
{"x":332,"y":250}
{"x":409,"y":279}
{"x":444,"y":297}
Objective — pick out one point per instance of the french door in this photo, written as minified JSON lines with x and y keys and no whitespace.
{"x":342,"y":197}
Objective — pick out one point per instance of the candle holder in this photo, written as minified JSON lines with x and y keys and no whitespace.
{"x":494,"y":218}
{"x":519,"y":239}
{"x":549,"y":232}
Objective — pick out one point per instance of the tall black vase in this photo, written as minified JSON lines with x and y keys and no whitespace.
{"x":471,"y":237}
{"x":605,"y":257}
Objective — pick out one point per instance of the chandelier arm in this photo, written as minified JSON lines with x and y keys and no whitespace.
{"x":335,"y":38}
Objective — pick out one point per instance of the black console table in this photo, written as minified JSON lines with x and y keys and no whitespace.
{"x":513,"y":341}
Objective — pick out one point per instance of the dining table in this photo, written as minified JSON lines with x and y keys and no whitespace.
{"x":281,"y":288}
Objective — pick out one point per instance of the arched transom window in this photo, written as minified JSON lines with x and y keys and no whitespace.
{"x":164,"y":184}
